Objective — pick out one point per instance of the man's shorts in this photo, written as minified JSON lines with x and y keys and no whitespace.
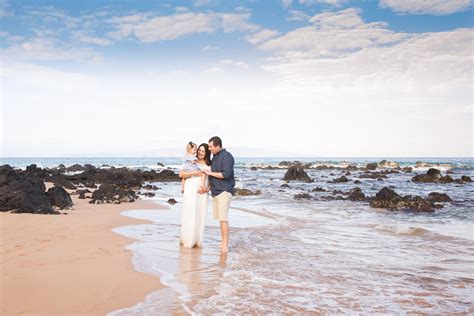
{"x":220,"y":205}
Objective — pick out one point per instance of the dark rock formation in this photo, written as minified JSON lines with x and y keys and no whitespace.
{"x":296,"y":172}
{"x":23,"y":192}
{"x":340,"y":180}
{"x":407,"y":169}
{"x":356,"y":194}
{"x":109,"y":193}
{"x":284,"y":185}
{"x":389,"y":199}
{"x":245,"y":192}
{"x":371,"y":166}
{"x":172,"y":201}
{"x":466,"y":179}
{"x":439,"y":197}
{"x":357,"y":182}
{"x":318,"y":189}
{"x":60,"y":198}
{"x":432,"y":175}
{"x":150,"y":187}
{"x":122,"y":177}
{"x":302,"y":196}
{"x":372,"y":175}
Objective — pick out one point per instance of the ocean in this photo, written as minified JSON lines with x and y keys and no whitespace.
{"x":293,"y":256}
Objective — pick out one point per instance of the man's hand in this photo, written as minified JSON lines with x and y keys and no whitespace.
{"x":198,"y":173}
{"x":208,"y":172}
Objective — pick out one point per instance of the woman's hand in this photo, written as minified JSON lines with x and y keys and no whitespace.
{"x":197,"y":173}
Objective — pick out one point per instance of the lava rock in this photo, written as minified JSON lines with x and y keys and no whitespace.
{"x":108,"y":193}
{"x":341,"y":179}
{"x":245,"y":192}
{"x":432,"y":175}
{"x":23,"y":192}
{"x":302,"y":196}
{"x":172,"y":201}
{"x":371,"y":166}
{"x":439,"y":197}
{"x":60,"y":198}
{"x":389,"y":199}
{"x":356,"y":194}
{"x":296,"y":172}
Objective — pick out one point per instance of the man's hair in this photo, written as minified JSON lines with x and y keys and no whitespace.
{"x":216,"y":141}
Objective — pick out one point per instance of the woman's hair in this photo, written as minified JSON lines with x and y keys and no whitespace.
{"x":190,"y":146}
{"x":207,"y":158}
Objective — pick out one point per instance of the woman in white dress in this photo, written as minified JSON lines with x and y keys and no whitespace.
{"x":195,"y":199}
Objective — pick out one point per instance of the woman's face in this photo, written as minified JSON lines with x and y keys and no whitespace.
{"x":201,"y":152}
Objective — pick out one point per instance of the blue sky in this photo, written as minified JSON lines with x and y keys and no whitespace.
{"x":394,"y":75}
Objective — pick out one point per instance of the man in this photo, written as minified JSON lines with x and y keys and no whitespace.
{"x":221,"y":178}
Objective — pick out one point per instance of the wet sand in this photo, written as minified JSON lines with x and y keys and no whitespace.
{"x":71,"y":264}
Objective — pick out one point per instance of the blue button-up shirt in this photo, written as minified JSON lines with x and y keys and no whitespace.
{"x":222,"y":162}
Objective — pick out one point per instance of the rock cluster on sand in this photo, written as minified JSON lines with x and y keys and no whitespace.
{"x":24,"y":190}
{"x":109,"y":193}
{"x":23,"y":193}
{"x":389,"y":199}
{"x":296,"y":172}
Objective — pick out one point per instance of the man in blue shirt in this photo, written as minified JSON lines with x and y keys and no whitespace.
{"x":221,"y":178}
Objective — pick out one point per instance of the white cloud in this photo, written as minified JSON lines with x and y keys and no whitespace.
{"x":209,"y":47}
{"x":261,"y":36}
{"x":160,"y":28}
{"x":434,"y":7}
{"x":336,"y":3}
{"x":95,"y":40}
{"x":333,"y":34}
{"x":46,"y":49}
{"x":296,"y":15}
{"x":235,"y":63}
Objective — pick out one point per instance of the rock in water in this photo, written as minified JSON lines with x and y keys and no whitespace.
{"x":389,"y":199}
{"x":439,"y":197}
{"x":356,"y":194}
{"x":244,"y":192}
{"x":296,"y":172}
{"x":59,"y":197}
{"x":172,"y":201}
{"x":371,"y":166}
{"x":302,"y":196}
{"x":432,"y":175}
{"x":341,"y":179}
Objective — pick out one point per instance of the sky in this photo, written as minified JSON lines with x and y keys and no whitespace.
{"x":314,"y":78}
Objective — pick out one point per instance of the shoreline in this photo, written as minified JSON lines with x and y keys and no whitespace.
{"x":71,"y":264}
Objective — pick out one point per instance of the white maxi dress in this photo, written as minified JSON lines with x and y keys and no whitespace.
{"x":194,"y":212}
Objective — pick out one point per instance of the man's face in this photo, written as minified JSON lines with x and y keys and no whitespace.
{"x":214,"y":149}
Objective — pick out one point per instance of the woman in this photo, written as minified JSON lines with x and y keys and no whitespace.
{"x":195,"y":200}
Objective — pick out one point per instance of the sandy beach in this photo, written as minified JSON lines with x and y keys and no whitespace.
{"x":70,"y":264}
